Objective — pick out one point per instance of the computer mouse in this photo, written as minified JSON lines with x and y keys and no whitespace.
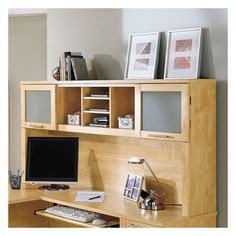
{"x":98,"y":222}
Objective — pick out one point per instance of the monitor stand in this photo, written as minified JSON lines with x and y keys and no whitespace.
{"x":54,"y":187}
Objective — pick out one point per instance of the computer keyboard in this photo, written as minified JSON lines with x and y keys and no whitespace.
{"x":72,"y":213}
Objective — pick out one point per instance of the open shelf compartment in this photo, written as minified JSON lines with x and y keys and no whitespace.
{"x":69,"y":102}
{"x":110,"y":102}
{"x":122,"y":103}
{"x":96,"y":106}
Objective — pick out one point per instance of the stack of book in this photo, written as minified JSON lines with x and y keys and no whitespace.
{"x":100,"y":122}
{"x":73,"y":66}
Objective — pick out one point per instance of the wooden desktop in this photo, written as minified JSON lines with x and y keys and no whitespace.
{"x":185,"y":162}
{"x":26,"y":209}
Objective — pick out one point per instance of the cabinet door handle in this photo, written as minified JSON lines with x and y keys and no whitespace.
{"x":37,"y":126}
{"x":132,"y":226}
{"x":159,"y":136}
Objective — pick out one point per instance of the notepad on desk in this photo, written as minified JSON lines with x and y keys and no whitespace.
{"x":89,"y":196}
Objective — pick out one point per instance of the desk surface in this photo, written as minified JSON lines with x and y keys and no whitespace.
{"x":23,"y":195}
{"x":114,"y":205}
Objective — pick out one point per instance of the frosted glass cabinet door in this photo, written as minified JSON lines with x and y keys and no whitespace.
{"x":165,"y":111}
{"x":38,"y":106}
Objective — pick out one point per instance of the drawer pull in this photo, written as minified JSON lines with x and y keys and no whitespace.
{"x":159,"y":136}
{"x":132,"y":226}
{"x":37,"y":126}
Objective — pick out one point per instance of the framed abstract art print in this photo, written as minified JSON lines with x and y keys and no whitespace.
{"x":142,"y":56}
{"x":183,"y":54}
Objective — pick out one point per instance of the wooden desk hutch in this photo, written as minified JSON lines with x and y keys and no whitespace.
{"x":174,"y":130}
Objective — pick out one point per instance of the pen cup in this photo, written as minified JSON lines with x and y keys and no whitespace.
{"x":15,"y":181}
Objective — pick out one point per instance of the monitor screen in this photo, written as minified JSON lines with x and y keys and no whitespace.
{"x":52,"y":159}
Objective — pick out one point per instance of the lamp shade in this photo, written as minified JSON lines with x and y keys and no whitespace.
{"x":135,"y":160}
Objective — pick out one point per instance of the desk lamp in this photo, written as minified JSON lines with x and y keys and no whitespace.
{"x":151,"y":202}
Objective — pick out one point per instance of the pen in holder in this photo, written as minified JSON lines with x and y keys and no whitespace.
{"x":15,"y":180}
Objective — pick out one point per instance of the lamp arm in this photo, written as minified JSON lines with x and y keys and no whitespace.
{"x":163,"y":192}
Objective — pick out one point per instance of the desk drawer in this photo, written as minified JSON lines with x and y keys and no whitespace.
{"x":134,"y":224}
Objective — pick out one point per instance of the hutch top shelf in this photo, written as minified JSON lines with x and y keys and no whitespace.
{"x":125,"y":81}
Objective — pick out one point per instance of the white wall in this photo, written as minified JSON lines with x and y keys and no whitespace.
{"x":27,"y":61}
{"x":102,"y":36}
{"x":96,"y":33}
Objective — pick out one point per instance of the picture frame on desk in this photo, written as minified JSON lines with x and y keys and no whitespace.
{"x":183,"y":54}
{"x":133,"y":187}
{"x":142,"y":56}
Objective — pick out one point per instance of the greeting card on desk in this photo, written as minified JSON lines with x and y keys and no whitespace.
{"x":89,"y":196}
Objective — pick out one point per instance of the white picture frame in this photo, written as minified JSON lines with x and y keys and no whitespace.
{"x":142,"y":56}
{"x":183,"y":54}
{"x":133,"y":187}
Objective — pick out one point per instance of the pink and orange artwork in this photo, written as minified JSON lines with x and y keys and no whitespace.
{"x":183,"y":45}
{"x":182,"y":63}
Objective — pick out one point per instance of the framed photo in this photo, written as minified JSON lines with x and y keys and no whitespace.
{"x":133,"y":187}
{"x":183,"y":54}
{"x":142,"y":56}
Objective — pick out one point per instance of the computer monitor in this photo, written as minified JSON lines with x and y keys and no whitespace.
{"x":52,"y":160}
